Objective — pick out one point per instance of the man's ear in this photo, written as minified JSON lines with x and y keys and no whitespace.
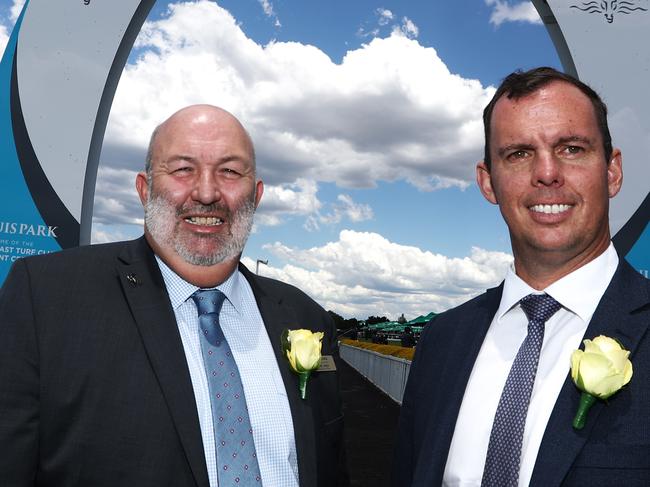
{"x":142,"y":187}
{"x":259,"y":191}
{"x":484,"y":181}
{"x":615,"y":173}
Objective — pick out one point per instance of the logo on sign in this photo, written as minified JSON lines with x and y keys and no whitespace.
{"x":610,"y":7}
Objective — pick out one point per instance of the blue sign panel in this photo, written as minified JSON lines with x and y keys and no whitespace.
{"x":23,"y":230}
{"x":57,"y":81}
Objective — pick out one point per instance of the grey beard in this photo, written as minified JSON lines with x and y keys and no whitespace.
{"x":160,"y":217}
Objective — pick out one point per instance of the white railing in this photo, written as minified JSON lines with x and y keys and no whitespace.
{"x":386,"y":372}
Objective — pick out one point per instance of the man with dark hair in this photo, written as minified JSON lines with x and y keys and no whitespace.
{"x":520,"y":84}
{"x":489,"y":399}
{"x":158,"y":362}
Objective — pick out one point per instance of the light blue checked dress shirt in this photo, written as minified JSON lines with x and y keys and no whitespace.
{"x":266,"y":396}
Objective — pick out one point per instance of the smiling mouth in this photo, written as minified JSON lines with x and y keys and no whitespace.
{"x":550,"y":209}
{"x":204,"y":220}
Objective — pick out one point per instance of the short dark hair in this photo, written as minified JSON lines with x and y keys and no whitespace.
{"x":523,"y":83}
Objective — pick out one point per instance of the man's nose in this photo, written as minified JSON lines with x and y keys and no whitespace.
{"x":547,"y":170}
{"x":206,"y":189}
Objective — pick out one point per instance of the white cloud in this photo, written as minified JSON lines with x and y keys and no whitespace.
{"x":390,"y":111}
{"x":267,"y":6}
{"x":6,"y":24}
{"x":344,"y":208}
{"x":385,"y":22}
{"x":110,"y":233}
{"x":365,"y":274}
{"x":354,"y":211}
{"x":116,"y":200}
{"x":384,"y":16}
{"x":409,"y":29}
{"x":16,"y":9}
{"x":4,"y":38}
{"x":504,"y":11}
{"x":298,"y":198}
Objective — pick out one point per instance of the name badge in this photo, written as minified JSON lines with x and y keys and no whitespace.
{"x":326,"y":364}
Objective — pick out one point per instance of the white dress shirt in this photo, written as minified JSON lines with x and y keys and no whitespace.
{"x":579,"y":294}
{"x":266,"y":397}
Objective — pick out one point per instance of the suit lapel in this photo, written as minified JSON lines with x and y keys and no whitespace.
{"x":147,"y":296}
{"x":277,"y":317}
{"x":614,"y":317}
{"x":444,"y":418}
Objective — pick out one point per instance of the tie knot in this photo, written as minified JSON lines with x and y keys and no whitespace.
{"x":208,"y":300}
{"x":539,"y":307}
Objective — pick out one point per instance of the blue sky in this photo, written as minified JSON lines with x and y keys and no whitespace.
{"x":366,"y":120}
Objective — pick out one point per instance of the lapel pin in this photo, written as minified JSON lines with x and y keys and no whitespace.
{"x":132,"y":279}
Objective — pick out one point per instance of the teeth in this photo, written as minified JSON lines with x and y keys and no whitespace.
{"x":204,"y":220}
{"x":550,"y":209}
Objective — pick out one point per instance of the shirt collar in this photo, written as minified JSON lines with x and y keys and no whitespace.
{"x":580,"y":291}
{"x":180,"y":290}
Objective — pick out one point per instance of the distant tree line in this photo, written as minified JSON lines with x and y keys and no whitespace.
{"x":373,"y":320}
{"x":345,"y":324}
{"x":342,"y":323}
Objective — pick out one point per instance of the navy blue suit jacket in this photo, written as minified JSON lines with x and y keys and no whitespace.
{"x":612,"y":449}
{"x":94,"y":385}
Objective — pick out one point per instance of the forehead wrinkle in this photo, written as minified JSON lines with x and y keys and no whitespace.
{"x":180,"y":157}
{"x":541,"y":127}
{"x":218,"y":160}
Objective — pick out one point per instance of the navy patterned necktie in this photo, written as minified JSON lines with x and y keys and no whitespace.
{"x":504,"y":449}
{"x":236,"y":458}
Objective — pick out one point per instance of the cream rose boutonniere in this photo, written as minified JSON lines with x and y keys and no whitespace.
{"x":599,"y":371}
{"x":302,"y":349}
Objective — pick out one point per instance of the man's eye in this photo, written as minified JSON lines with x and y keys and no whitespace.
{"x":573,"y":149}
{"x":228,"y":171}
{"x":182,"y":169}
{"x":518,"y":154}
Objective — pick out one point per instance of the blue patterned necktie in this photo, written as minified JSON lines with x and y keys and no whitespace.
{"x":236,"y":457}
{"x":504,"y":450}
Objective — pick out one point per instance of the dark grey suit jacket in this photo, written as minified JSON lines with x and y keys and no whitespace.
{"x":612,"y":449}
{"x":95,"y":389}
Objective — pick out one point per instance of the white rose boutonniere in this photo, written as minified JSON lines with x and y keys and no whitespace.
{"x":303,"y":350}
{"x":599,"y":371}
